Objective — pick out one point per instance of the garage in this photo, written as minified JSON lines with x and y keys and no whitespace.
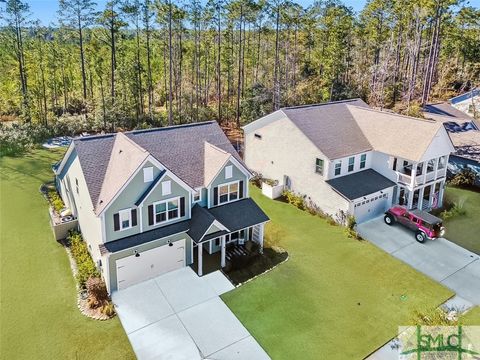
{"x":151,"y":263}
{"x":369,"y":207}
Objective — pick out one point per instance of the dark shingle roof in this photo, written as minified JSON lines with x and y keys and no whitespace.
{"x":331,"y":127}
{"x":145,"y":237}
{"x":239,"y":214}
{"x":200,"y":222}
{"x":181,"y":148}
{"x":94,"y":154}
{"x":445,"y":109}
{"x":150,"y":188}
{"x":360,"y":184}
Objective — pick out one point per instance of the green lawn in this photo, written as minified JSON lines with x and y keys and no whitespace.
{"x":464,"y":230}
{"x":39,"y":318}
{"x":335,"y":297}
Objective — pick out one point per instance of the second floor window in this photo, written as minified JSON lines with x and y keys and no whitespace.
{"x":227,"y":192}
{"x":319,"y":166}
{"x":166,"y":210}
{"x":441,"y":162}
{"x":124,"y":219}
{"x":351,"y":163}
{"x":363,"y":161}
{"x":338,"y":168}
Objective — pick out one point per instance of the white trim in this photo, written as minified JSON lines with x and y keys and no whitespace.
{"x":153,"y":188}
{"x":104,"y":230}
{"x":170,"y":174}
{"x":218,"y":225}
{"x":237,"y":164}
{"x":129,"y":212}
{"x":65,"y":158}
{"x":140,"y":210}
{"x":155,"y":223}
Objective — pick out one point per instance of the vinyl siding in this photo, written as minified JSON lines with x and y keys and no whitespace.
{"x":237,"y":175}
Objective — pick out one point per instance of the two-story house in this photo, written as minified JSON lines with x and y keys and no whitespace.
{"x":349,"y":158}
{"x":148,"y":200}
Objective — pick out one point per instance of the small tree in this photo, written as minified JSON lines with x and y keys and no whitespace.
{"x":466,"y":177}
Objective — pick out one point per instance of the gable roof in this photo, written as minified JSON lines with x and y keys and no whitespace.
{"x":443,"y":109}
{"x":125,"y":158}
{"x":394,"y":134}
{"x":214,"y":160}
{"x":108,"y":161}
{"x":331,"y":127}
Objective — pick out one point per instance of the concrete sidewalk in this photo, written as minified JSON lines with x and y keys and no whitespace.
{"x":441,"y":260}
{"x":179,"y":315}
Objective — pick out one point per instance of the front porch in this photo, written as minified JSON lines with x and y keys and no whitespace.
{"x":227,"y":251}
{"x":424,"y":197}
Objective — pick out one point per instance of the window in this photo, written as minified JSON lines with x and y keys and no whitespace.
{"x":166,"y":210}
{"x":258,"y":136}
{"x":228,"y":171}
{"x":351,"y":163}
{"x":125,"y":219}
{"x":76,"y":185}
{"x":338,"y":168}
{"x":430,"y":165}
{"x":363,"y":162}
{"x":197,"y":196}
{"x":166,"y":187}
{"x":228,"y":192}
{"x":148,"y":174}
{"x":217,"y":242}
{"x":319,"y":166}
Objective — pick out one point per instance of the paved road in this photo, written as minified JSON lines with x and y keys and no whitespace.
{"x":442,"y":260}
{"x":180,"y":316}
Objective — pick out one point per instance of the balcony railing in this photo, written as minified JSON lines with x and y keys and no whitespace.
{"x":419,"y":179}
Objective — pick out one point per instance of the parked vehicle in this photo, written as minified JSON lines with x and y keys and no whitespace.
{"x":425,"y":225}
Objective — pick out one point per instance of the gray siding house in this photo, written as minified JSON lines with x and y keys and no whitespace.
{"x":351,"y":159}
{"x":152,"y":201}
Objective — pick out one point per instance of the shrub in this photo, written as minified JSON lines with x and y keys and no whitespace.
{"x":85,"y":265}
{"x":455,"y":210}
{"x":295,"y":199}
{"x":432,"y":317}
{"x":351,"y":222}
{"x":108,"y":309}
{"x":464,"y":178}
{"x":97,"y":291}
{"x":55,"y":200}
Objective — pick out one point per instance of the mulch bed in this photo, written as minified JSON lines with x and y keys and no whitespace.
{"x":257,"y":265}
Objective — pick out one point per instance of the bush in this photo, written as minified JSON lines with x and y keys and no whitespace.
{"x":464,"y":178}
{"x":455,"y":210}
{"x":108,"y":309}
{"x":55,"y":200}
{"x":97,"y":292}
{"x":85,"y":265}
{"x":295,"y":199}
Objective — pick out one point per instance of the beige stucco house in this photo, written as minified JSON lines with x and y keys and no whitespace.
{"x":152,"y":201}
{"x":350,"y":159}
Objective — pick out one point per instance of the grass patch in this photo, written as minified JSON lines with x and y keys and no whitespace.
{"x":463,"y":230}
{"x":335,"y":298}
{"x":39,"y":317}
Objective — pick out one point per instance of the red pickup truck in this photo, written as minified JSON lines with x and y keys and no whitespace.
{"x":425,"y":225}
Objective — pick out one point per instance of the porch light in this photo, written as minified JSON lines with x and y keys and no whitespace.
{"x":170,"y":243}
{"x":137,"y":254}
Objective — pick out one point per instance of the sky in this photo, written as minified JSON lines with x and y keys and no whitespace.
{"x":46,"y":10}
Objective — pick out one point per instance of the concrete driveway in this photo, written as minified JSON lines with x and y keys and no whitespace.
{"x":442,"y":260}
{"x":179,"y":315}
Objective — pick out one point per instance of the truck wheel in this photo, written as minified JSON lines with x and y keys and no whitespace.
{"x":420,"y":236}
{"x":389,"y":220}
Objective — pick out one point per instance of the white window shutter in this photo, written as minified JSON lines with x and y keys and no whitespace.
{"x":148,"y":174}
{"x":228,"y":172}
{"x":166,"y":187}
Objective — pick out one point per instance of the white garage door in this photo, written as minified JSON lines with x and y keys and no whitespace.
{"x":134,"y":269}
{"x":371,"y":207}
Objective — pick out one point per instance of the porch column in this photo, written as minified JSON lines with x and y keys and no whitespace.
{"x":440,"y":195}
{"x":260,"y":237}
{"x":413,"y":176}
{"x":200,"y":259}
{"x":435,"y":170}
{"x":410,"y":199}
{"x":222,"y":250}
{"x":432,"y":194}
{"x":420,"y":198}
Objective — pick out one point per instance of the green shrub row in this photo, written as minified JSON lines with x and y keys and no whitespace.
{"x":55,"y":200}
{"x":455,"y":210}
{"x":85,"y":265}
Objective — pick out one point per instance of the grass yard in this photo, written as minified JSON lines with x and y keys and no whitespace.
{"x":464,"y":230}
{"x":39,"y":316}
{"x":335,"y":297}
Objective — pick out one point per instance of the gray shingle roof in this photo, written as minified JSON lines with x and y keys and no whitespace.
{"x":331,"y":127}
{"x":360,"y":184}
{"x":94,"y":154}
{"x":179,"y":148}
{"x":200,"y":222}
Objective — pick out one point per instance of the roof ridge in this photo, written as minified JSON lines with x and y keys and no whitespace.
{"x":217,"y":148}
{"x":392,"y":113}
{"x":125,"y":137}
{"x":94,"y":137}
{"x":172,"y":127}
{"x":320,"y":104}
